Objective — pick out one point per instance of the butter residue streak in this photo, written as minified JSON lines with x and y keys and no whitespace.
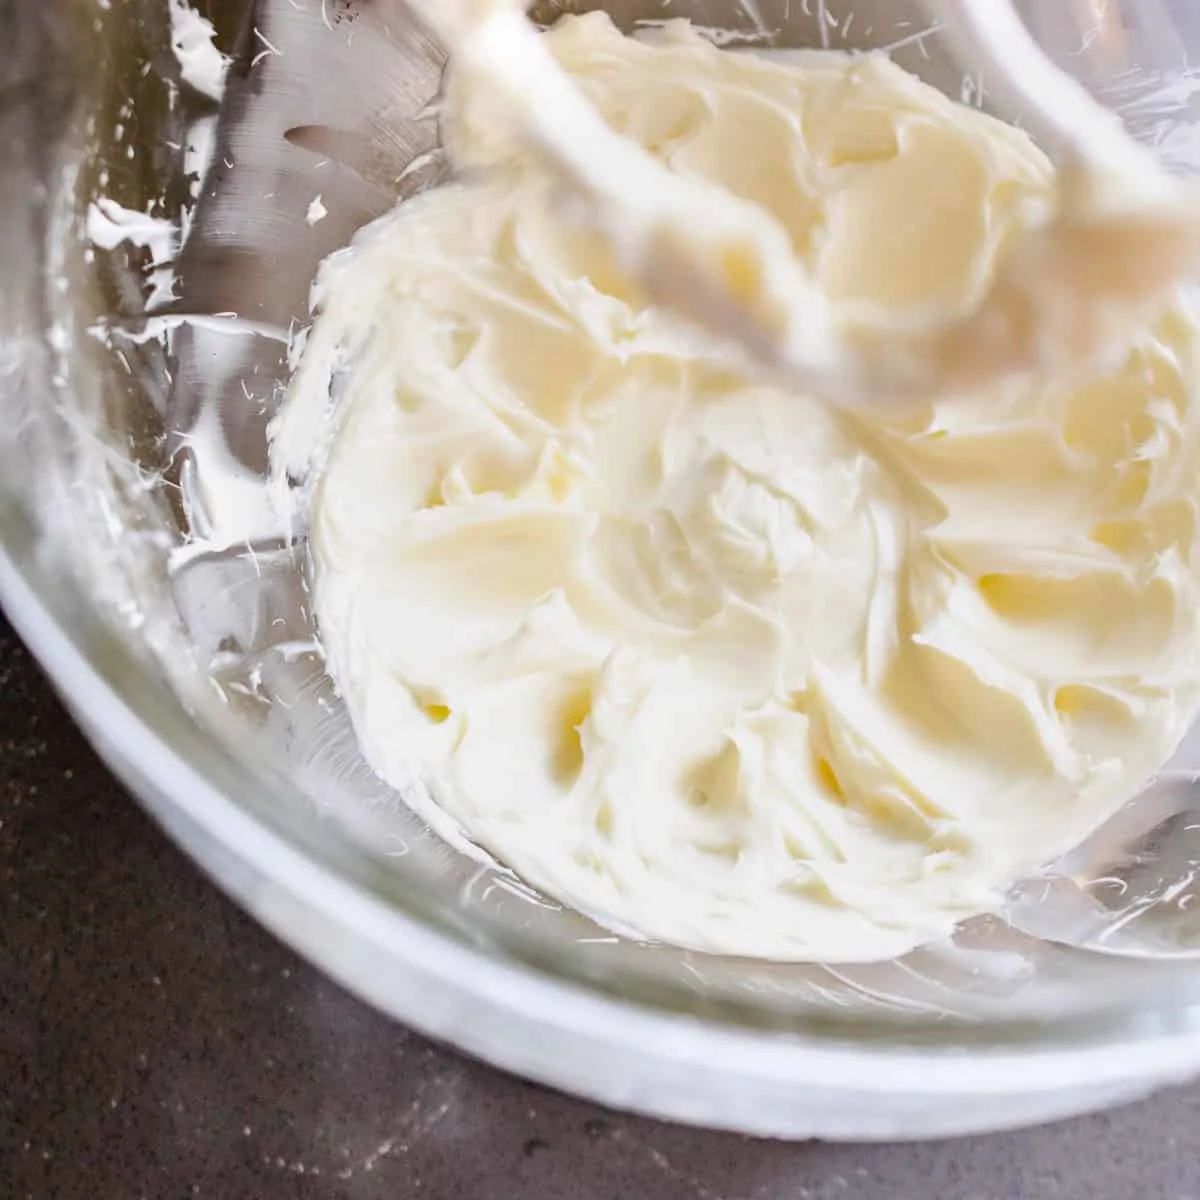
{"x":708,"y":658}
{"x":201,"y":64}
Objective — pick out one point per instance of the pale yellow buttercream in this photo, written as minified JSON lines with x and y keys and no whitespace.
{"x":1074,"y":289}
{"x":709,"y":658}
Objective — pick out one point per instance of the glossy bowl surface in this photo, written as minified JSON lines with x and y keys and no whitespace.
{"x":158,"y":242}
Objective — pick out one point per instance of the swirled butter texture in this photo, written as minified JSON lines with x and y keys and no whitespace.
{"x":704,"y":657}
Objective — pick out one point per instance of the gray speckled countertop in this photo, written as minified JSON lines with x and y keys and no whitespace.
{"x":154,"y":1042}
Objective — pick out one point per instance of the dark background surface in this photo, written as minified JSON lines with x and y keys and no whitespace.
{"x":154,"y":1042}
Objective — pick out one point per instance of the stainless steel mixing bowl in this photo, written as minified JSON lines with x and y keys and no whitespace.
{"x":157,"y":244}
